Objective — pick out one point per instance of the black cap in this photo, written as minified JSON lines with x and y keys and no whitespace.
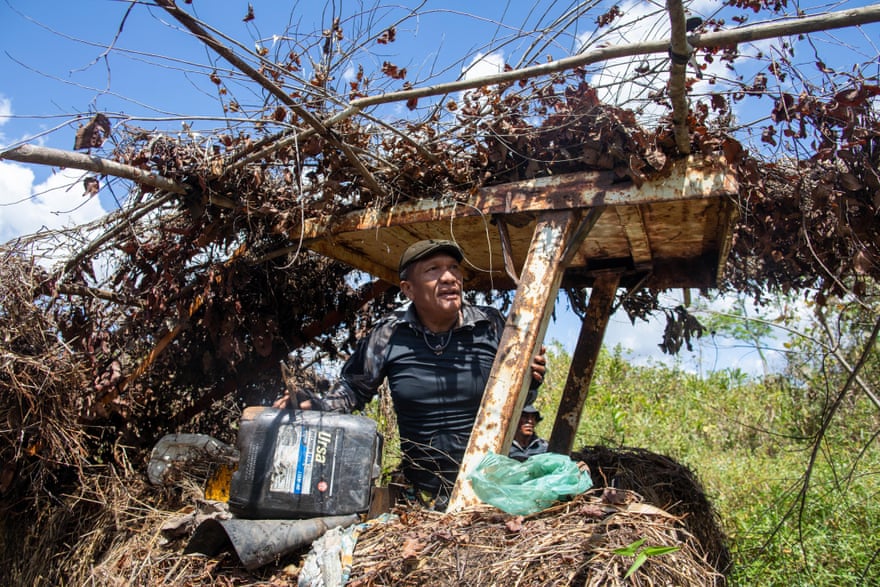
{"x":530,"y":409}
{"x":426,"y":248}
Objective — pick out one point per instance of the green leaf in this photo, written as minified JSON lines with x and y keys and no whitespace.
{"x":631,"y":549}
{"x":646,"y":552}
{"x":640,"y":560}
{"x":658,"y":550}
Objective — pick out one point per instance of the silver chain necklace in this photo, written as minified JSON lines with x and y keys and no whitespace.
{"x":441,"y":346}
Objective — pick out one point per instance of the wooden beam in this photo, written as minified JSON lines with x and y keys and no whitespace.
{"x":577,"y":239}
{"x":727,"y":218}
{"x":523,"y":333}
{"x":688,"y":179}
{"x":583,"y":363}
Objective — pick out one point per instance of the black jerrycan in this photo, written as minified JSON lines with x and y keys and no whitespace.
{"x":302,"y":464}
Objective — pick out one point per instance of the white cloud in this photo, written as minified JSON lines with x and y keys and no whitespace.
{"x":5,"y":113}
{"x":5,"y":109}
{"x":350,"y":73}
{"x":480,"y":66}
{"x":484,"y":64}
{"x":57,"y":202}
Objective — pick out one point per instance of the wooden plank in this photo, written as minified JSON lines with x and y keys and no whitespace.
{"x":633,"y":226}
{"x":340,"y":252}
{"x":583,"y":363}
{"x":523,"y":333}
{"x":692,"y":178}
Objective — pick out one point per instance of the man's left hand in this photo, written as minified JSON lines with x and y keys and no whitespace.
{"x":539,"y":365}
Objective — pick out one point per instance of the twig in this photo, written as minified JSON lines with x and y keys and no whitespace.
{"x":92,"y":292}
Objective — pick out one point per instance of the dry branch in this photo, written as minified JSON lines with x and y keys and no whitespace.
{"x":807,"y":24}
{"x":203,"y":35}
{"x":61,"y":158}
{"x":680,"y":51}
{"x":97,"y":293}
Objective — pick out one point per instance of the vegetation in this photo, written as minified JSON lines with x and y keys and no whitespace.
{"x":793,"y":473}
{"x":174,"y":306}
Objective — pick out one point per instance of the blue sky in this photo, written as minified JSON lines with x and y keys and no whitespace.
{"x":54,"y":63}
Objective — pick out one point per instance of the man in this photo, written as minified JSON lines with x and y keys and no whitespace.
{"x":526,"y":442}
{"x":436,"y":355}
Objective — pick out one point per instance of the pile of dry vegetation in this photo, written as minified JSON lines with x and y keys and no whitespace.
{"x":592,"y":540}
{"x":607,"y":536}
{"x":641,"y":503}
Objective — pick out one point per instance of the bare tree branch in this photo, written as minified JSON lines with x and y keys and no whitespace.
{"x":807,"y":24}
{"x":679,"y":52}
{"x":61,"y":158}
{"x":844,"y":18}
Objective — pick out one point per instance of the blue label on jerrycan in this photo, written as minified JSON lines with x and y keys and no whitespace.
{"x":303,"y":464}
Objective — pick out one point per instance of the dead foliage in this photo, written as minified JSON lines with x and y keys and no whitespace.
{"x":666,"y":483}
{"x":43,"y":446}
{"x":637,"y":495}
{"x":118,"y":530}
{"x":111,"y":532}
{"x":584,"y":542}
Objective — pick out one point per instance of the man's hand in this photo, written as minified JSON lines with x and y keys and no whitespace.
{"x":305,"y":402}
{"x":539,"y":365}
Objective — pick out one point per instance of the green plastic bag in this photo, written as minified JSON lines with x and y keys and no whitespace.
{"x":523,"y":488}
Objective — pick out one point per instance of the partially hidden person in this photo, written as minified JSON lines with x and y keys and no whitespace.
{"x":526,"y":441}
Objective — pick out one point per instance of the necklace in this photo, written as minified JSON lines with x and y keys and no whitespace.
{"x":441,"y":346}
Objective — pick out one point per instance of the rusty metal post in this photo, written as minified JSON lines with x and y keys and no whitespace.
{"x":523,"y":333}
{"x":583,"y":363}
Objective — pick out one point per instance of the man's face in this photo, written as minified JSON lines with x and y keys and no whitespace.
{"x":434,"y":286}
{"x":527,"y":424}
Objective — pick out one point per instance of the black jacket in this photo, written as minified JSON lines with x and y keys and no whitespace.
{"x":436,"y":383}
{"x":535,"y":446}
